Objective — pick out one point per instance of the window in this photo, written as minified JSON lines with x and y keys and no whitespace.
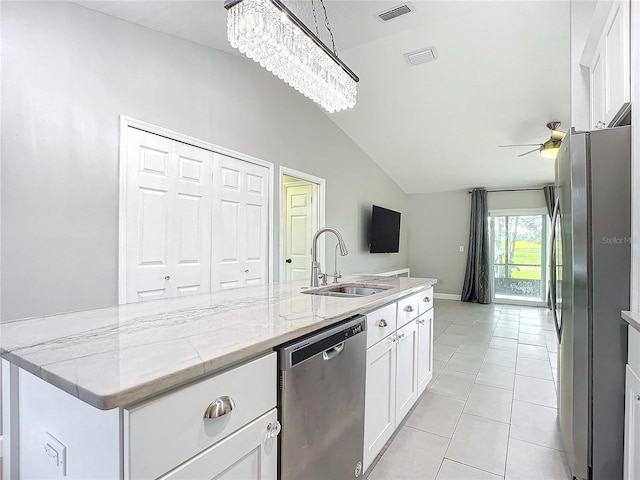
{"x":519,"y":247}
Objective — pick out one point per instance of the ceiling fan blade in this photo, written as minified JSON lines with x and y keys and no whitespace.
{"x":522,"y":145}
{"x":527,"y":153}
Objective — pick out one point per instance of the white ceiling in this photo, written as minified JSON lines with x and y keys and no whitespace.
{"x":502,"y":74}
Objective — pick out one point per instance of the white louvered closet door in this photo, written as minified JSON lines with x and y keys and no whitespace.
{"x":240,"y":223}
{"x":168,"y":217}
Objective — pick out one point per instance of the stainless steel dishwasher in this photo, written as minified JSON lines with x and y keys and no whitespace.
{"x":321,"y":403}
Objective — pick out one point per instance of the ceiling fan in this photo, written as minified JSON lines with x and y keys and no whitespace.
{"x":548,"y":149}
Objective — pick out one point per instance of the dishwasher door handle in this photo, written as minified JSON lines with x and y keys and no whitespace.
{"x":333,"y":352}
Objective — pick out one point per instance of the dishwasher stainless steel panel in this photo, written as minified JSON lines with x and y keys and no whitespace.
{"x":321,"y":403}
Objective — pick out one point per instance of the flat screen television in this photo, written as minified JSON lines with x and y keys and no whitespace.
{"x":385,"y":231}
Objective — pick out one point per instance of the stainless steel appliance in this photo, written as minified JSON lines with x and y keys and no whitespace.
{"x":591,"y":258}
{"x":321,"y":403}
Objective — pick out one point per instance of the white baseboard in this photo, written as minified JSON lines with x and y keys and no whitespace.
{"x":447,"y":296}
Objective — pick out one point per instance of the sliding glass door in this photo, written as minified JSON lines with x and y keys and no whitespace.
{"x":519,"y":243}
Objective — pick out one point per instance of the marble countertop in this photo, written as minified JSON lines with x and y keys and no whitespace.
{"x":117,"y":356}
{"x":632,"y":318}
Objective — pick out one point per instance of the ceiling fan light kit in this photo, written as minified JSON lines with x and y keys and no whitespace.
{"x":548,"y":149}
{"x":267,"y":32}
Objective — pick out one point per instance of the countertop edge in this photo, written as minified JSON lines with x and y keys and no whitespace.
{"x":632,"y":318}
{"x":179,"y":378}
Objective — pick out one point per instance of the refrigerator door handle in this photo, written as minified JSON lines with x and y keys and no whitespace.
{"x":552,"y":268}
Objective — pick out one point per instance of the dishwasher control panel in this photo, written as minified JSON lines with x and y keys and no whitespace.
{"x":302,"y":349}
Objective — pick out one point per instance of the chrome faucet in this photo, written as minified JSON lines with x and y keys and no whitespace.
{"x":315,"y":268}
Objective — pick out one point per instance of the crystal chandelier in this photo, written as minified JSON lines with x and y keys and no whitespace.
{"x":267,"y":32}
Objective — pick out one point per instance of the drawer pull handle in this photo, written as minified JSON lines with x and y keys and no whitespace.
{"x":391,"y":339}
{"x":273,"y":429}
{"x":426,"y":299}
{"x":219,"y":407}
{"x":401,"y":337}
{"x":421,"y":322}
{"x":382,"y":323}
{"x":408,"y":308}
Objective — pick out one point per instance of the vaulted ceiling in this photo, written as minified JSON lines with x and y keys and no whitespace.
{"x":502,"y":74}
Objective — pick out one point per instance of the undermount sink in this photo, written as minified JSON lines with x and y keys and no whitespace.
{"x":348,"y":290}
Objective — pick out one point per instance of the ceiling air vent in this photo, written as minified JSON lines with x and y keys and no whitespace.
{"x":423,"y":55}
{"x":395,"y":12}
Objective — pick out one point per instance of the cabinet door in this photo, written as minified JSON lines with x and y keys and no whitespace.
{"x":632,"y":427}
{"x":249,"y":454}
{"x":615,"y":43}
{"x":406,"y":369}
{"x":380,"y":398}
{"x":424,"y":357}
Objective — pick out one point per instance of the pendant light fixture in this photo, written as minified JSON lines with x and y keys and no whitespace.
{"x":268,"y":33}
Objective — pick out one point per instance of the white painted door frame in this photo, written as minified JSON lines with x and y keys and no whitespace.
{"x":321,"y":182}
{"x":128,"y":122}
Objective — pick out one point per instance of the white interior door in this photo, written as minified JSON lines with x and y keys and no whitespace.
{"x":168,"y":220}
{"x":300,"y":225}
{"x":241,"y":225}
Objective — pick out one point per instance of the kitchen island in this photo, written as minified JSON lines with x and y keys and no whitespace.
{"x":111,"y":360}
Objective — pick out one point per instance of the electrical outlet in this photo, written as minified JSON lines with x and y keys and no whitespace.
{"x":57,"y":455}
{"x":462,"y":248}
{"x":440,"y":281}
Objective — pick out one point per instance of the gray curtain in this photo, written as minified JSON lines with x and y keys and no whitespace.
{"x":477,"y":280}
{"x":550,"y":201}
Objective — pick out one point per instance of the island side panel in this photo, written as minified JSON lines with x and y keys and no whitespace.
{"x":90,"y":437}
{"x":10,"y":457}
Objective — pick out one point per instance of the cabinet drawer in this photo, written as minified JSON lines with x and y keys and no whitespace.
{"x":380,"y":324}
{"x":408,"y":308}
{"x":169,"y":430}
{"x":426,"y":301}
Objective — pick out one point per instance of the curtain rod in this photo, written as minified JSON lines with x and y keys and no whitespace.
{"x":513,"y":190}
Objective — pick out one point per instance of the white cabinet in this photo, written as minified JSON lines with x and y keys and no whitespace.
{"x":406,"y":369}
{"x":248,"y":454}
{"x":380,"y":324}
{"x":166,"y":431}
{"x":609,"y":64}
{"x":380,"y":397}
{"x":632,"y":426}
{"x":167,"y":437}
{"x":425,"y":351}
{"x":399,"y":366}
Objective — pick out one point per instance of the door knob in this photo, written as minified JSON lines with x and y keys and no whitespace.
{"x":288,"y":260}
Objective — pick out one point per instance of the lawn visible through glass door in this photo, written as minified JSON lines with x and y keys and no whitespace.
{"x":519,"y":253}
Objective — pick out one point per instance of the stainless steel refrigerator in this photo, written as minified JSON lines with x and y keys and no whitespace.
{"x":590,"y":269}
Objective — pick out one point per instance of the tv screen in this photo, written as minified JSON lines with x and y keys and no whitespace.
{"x":385,"y":230}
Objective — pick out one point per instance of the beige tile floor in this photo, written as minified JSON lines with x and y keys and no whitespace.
{"x":490,"y":410}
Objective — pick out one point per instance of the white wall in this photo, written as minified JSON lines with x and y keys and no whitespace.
{"x":67,"y":75}
{"x":440,"y":224}
{"x":581,"y":15}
